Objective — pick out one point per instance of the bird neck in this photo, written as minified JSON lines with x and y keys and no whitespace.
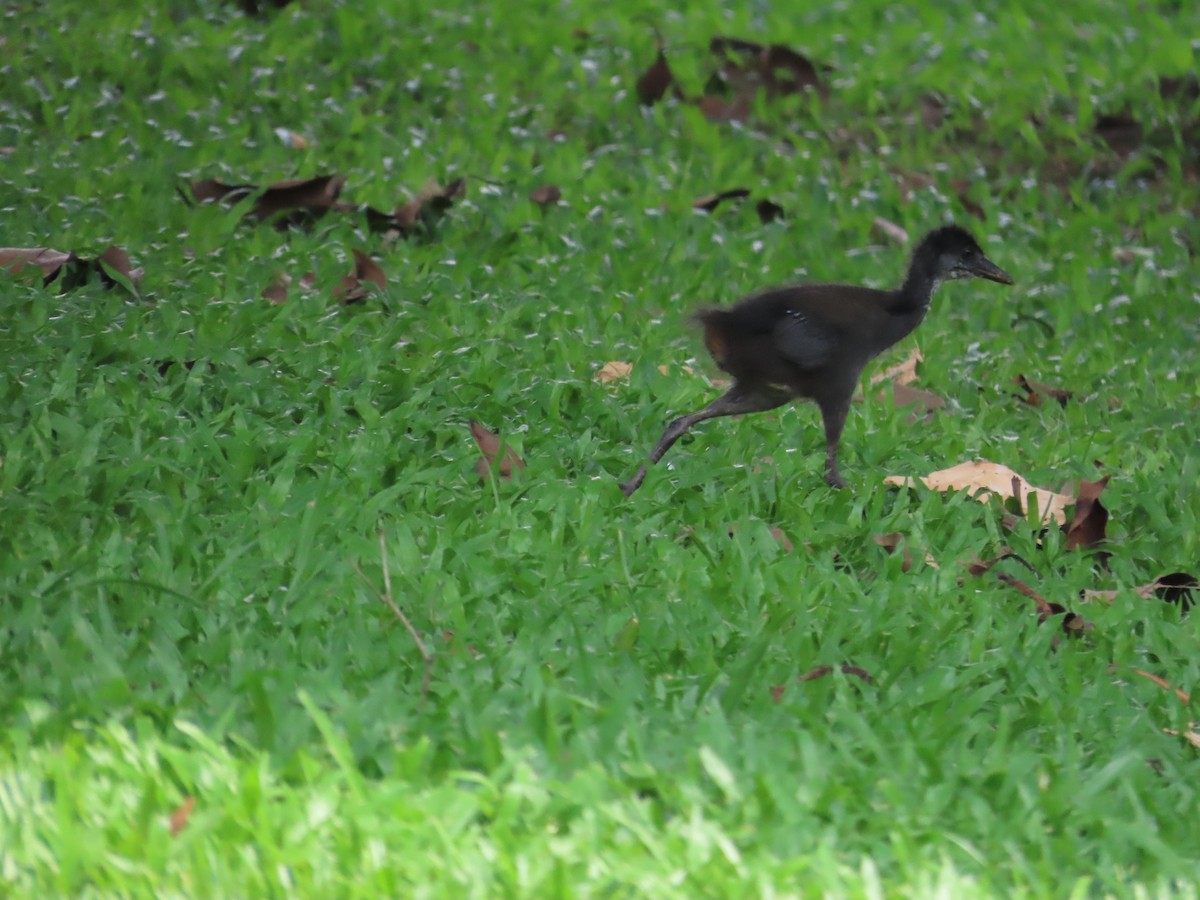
{"x":915,"y":294}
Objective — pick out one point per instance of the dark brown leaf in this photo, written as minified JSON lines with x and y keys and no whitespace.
{"x":294,"y":201}
{"x":1178,"y":588}
{"x":1087,"y":528}
{"x":845,"y":668}
{"x":961,"y":188}
{"x":933,"y":112}
{"x":546,"y":195}
{"x":354,"y":287}
{"x":420,"y":214}
{"x":789,"y":72}
{"x":654,"y":83}
{"x":1122,"y":132}
{"x":489,"y":446}
{"x":114,"y":265}
{"x":712,"y":201}
{"x":718,"y":109}
{"x":1035,"y":391}
{"x":277,"y":290}
{"x":779,"y":68}
{"x":768,"y":211}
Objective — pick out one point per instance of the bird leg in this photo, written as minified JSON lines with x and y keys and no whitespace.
{"x":734,"y":402}
{"x":833,"y":413}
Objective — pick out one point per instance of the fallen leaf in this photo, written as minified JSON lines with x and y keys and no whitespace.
{"x":1087,"y":528}
{"x":546,"y":195}
{"x":768,"y":211}
{"x":654,"y":83}
{"x":489,"y":446}
{"x":116,"y":268}
{"x":418,"y":215}
{"x":1121,"y":132}
{"x":686,"y":370}
{"x":180,"y":817}
{"x":293,"y":201}
{"x":113,"y":266}
{"x":712,"y":201}
{"x":933,"y":112}
{"x":354,"y":287}
{"x":926,"y":403}
{"x":1177,"y":588}
{"x":981,"y":478}
{"x":276,"y":292}
{"x":890,"y":230}
{"x":890,"y":542}
{"x":777,"y":533}
{"x":1184,"y":696}
{"x":292,"y":139}
{"x":14,"y":259}
{"x":779,"y":68}
{"x":1192,"y":735}
{"x":612,"y":371}
{"x":718,"y":109}
{"x":903,"y":372}
{"x":1035,"y":391}
{"x":845,"y":668}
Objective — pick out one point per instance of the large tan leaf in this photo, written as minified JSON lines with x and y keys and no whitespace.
{"x":979,"y":478}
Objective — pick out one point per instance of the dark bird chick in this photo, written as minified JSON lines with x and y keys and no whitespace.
{"x":812,"y":341}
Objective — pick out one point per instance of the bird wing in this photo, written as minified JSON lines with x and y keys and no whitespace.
{"x":804,"y":341}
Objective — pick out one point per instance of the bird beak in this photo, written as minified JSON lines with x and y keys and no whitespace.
{"x":985,"y":268}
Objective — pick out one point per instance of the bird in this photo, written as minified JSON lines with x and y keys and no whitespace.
{"x":812,"y":341}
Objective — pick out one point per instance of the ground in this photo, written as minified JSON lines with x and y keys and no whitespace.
{"x":266,"y":631}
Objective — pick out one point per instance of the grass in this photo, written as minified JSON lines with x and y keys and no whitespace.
{"x":193,"y":480}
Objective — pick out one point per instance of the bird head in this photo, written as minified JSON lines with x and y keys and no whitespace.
{"x":952,"y":252}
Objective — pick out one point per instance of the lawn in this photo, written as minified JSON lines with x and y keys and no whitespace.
{"x":267,"y":629}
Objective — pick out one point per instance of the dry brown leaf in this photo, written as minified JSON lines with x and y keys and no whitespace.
{"x":686,"y":370}
{"x":890,"y":230}
{"x":1184,"y":696}
{"x":933,"y":112}
{"x":180,"y":817}
{"x":768,"y":211}
{"x":1192,"y":735}
{"x":113,"y":266}
{"x":417,"y":215}
{"x":890,"y":542}
{"x":903,"y":372}
{"x":981,"y":478}
{"x":354,"y":287}
{"x":612,"y":371}
{"x":115,"y":262}
{"x":712,"y":201}
{"x":14,"y":259}
{"x":276,"y":292}
{"x":1035,"y":391}
{"x":1176,"y":587}
{"x":925,"y":404}
{"x":1122,"y":132}
{"x":780,"y":538}
{"x":1090,"y":521}
{"x":654,"y":83}
{"x":294,"y":200}
{"x":779,"y":68}
{"x":546,"y":195}
{"x":845,"y":668}
{"x":718,"y":109}
{"x":489,"y":446}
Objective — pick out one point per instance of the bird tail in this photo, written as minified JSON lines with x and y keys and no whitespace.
{"x":717,"y":324}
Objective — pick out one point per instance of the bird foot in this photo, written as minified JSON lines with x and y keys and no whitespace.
{"x":834,"y":480}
